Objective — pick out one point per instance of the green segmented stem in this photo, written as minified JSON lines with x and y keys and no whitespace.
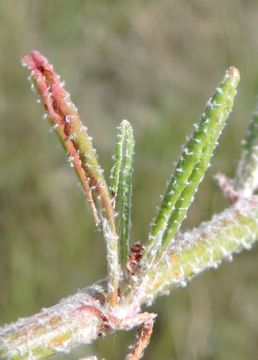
{"x":191,"y":167}
{"x":73,"y":321}
{"x":121,"y":185}
{"x":247,"y":172}
{"x":230,"y":232}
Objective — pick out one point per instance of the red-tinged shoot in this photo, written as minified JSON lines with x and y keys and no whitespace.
{"x":64,"y":118}
{"x":65,"y":121}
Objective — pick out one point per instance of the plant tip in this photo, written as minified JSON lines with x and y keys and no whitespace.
{"x":233,"y":71}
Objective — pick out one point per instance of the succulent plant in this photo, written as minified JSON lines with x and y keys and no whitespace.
{"x":138,"y":272}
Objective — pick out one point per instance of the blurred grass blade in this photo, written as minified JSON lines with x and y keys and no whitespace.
{"x":64,"y":118}
{"x":191,"y":167}
{"x":246,"y":181}
{"x":121,"y":185}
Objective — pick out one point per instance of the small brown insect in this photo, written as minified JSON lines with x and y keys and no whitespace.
{"x":133,"y":264}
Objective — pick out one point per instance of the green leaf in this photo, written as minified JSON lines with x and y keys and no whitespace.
{"x":121,"y":185}
{"x":190,"y":169}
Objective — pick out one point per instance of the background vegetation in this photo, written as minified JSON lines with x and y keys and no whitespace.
{"x":155,"y":63}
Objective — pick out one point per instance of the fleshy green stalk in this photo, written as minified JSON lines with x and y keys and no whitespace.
{"x":205,"y":247}
{"x":75,"y":320}
{"x":82,"y":317}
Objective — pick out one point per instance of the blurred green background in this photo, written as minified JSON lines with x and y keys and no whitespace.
{"x":154,"y":63}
